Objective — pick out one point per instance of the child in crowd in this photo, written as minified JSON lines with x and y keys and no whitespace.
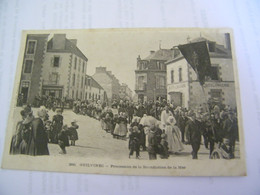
{"x":134,"y":145}
{"x":63,"y":139}
{"x":73,"y":134}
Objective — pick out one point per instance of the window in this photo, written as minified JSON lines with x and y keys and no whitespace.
{"x":73,"y":80}
{"x":56,"y":61}
{"x":180,"y":74}
{"x":89,"y":80}
{"x":141,"y":83}
{"x":172,"y":76}
{"x":89,"y":96}
{"x":31,"y":47}
{"x":79,"y":64}
{"x":76,"y":94}
{"x":25,"y":84}
{"x":82,"y":80}
{"x":214,"y":73}
{"x":75,"y":63}
{"x":28,"y":66}
{"x":54,"y":78}
{"x":72,"y":94}
{"x":159,"y":65}
{"x":212,"y":47}
{"x":86,"y":96}
{"x":160,"y":82}
{"x":83,"y":67}
{"x":80,"y":95}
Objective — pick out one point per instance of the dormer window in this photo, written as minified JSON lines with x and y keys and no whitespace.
{"x":212,"y":46}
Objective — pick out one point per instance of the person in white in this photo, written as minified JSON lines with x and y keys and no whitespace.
{"x":166,"y":113}
{"x":173,"y":136}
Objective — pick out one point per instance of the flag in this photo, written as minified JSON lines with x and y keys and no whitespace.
{"x":197,"y":56}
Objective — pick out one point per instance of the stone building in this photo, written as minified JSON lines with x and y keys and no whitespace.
{"x":125,"y":93}
{"x":64,"y":69}
{"x":31,"y":75}
{"x":93,"y":90}
{"x":108,"y":82}
{"x":150,"y":75}
{"x":54,"y":67}
{"x":183,"y":87}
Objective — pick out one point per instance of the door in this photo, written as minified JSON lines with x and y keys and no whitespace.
{"x":176,"y":98}
{"x":25,"y":90}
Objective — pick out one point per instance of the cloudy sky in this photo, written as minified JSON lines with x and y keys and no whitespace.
{"x":118,"y":49}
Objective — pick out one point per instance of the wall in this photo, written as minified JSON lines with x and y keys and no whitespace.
{"x":38,"y":57}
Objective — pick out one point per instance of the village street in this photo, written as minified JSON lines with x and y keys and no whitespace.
{"x":94,"y":142}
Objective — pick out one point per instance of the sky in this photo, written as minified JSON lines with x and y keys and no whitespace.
{"x":118,"y":49}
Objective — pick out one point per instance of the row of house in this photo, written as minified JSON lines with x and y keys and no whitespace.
{"x":57,"y":67}
{"x":166,"y":74}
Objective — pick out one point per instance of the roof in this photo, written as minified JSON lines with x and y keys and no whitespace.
{"x":69,"y":47}
{"x":94,"y":83}
{"x":161,"y":54}
{"x":220,"y":50}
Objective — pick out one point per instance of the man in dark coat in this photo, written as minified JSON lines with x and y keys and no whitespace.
{"x":57,"y":123}
{"x":193,"y":130}
{"x":182,"y":120}
{"x":38,"y":141}
{"x":152,"y":143}
{"x":230,"y":127}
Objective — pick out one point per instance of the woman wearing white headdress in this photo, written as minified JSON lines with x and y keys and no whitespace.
{"x":173,"y":136}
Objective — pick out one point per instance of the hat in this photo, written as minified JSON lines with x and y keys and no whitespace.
{"x":58,"y":111}
{"x":65,"y":127}
{"x":191,"y":113}
{"x":74,"y":121}
{"x":42,"y":111}
{"x":163,"y":136}
{"x":27,"y":109}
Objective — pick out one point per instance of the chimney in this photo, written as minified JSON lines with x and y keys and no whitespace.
{"x":74,"y":41}
{"x":59,"y":41}
{"x":101,"y":69}
{"x":151,"y":52}
{"x":227,"y":41}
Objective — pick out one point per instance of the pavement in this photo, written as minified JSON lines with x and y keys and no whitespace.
{"x":95,"y":142}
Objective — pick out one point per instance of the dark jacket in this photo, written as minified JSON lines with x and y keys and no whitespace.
{"x":193,"y":130}
{"x":38,"y":141}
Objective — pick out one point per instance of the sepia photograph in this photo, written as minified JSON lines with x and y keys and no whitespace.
{"x":161,"y":102}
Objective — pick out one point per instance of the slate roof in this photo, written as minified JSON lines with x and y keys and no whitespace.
{"x":220,"y":51}
{"x":94,"y":83}
{"x":161,"y":54}
{"x":69,"y":47}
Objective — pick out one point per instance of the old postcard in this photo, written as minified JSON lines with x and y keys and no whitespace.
{"x":159,"y":102}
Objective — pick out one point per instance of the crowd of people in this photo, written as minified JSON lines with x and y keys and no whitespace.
{"x":33,"y":133}
{"x":160,"y":128}
{"x":50,"y":102}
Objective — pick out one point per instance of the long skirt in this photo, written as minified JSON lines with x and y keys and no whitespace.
{"x":173,"y":139}
{"x":120,"y":129}
{"x":102,"y":122}
{"x":177,"y":144}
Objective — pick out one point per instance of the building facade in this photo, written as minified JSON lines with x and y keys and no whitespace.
{"x":184,"y":89}
{"x":54,"y":67}
{"x":125,"y":93}
{"x":31,"y":76}
{"x":93,"y":91}
{"x":150,"y":75}
{"x":108,"y":82}
{"x":64,"y":69}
